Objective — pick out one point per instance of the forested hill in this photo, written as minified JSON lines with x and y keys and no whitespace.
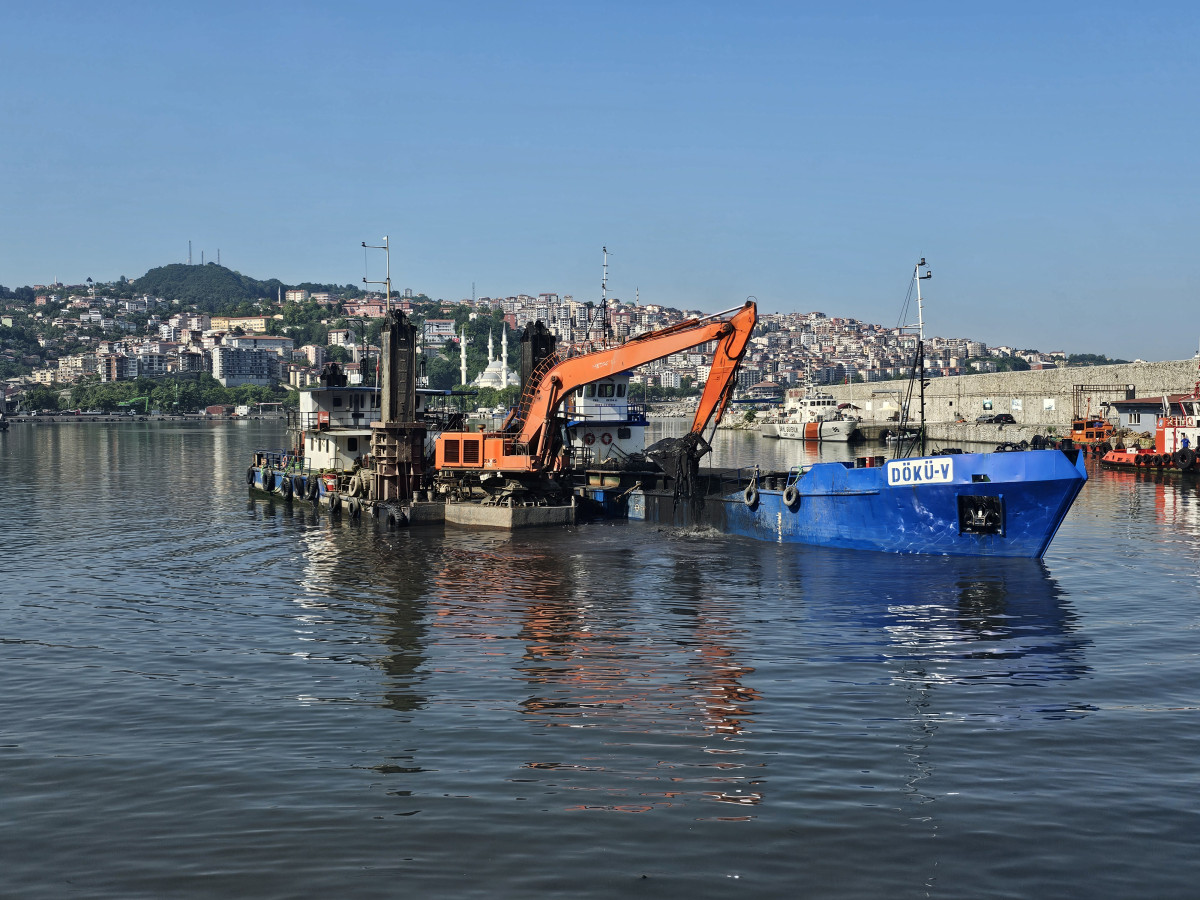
{"x":210,"y":287}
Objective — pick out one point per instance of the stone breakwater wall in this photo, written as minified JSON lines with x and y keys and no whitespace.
{"x":1043,"y":397}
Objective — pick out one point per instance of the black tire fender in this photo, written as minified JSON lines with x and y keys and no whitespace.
{"x":250,"y":476}
{"x":750,"y":495}
{"x":268,"y":479}
{"x":791,"y":496}
{"x":335,"y":503}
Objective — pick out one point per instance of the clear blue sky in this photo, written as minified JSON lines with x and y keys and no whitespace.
{"x":1042,"y":156}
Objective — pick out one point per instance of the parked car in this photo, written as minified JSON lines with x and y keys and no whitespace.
{"x":1004,"y":419}
{"x":985,"y":420}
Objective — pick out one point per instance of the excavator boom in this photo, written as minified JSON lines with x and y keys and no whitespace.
{"x":530,"y":448}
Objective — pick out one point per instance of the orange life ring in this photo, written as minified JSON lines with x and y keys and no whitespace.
{"x":606,"y":438}
{"x":589,"y":439}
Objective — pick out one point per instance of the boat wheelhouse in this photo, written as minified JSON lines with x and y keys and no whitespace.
{"x":1091,"y":430}
{"x":334,"y":425}
{"x":603,"y":426}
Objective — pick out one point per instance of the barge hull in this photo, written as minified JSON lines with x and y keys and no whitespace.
{"x":994,"y":504}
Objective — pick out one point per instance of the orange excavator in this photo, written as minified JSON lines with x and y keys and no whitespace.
{"x":530,"y":447}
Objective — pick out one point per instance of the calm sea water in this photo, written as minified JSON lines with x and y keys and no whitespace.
{"x":206,"y":695}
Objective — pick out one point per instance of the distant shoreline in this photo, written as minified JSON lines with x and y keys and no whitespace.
{"x":114,"y":419}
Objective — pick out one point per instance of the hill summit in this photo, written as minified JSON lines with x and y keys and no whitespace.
{"x":207,"y":286}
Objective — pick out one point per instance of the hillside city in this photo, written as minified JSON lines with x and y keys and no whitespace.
{"x":56,"y":338}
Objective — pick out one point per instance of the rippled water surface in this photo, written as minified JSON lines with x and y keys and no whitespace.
{"x":203,"y":694}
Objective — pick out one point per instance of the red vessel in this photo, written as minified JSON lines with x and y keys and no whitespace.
{"x":1176,"y":435}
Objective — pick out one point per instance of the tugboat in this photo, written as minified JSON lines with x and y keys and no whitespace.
{"x":331,"y":439}
{"x":606,"y":435}
{"x":604,"y":427}
{"x":1005,"y":504}
{"x":358,"y":447}
{"x":1176,"y":436}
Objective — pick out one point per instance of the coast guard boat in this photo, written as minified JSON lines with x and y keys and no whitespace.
{"x":811,"y":415}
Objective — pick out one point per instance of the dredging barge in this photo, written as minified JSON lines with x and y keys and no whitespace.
{"x":386,"y":451}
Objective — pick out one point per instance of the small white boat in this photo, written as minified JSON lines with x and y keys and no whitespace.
{"x":813,"y":415}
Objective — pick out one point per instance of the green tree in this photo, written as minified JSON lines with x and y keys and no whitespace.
{"x":1092,"y":359}
{"x":41,"y":397}
{"x":1011,"y":364}
{"x":442,"y":371}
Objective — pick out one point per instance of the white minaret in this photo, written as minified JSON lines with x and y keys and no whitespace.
{"x":462,"y":357}
{"x":491,"y":348}
{"x":504,"y":356}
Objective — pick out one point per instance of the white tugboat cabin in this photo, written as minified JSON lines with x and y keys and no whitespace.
{"x":602,"y":424}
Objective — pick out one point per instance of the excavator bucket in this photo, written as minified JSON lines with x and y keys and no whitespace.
{"x":679,"y":458}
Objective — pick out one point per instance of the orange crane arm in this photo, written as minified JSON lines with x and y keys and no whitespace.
{"x":733,"y":335}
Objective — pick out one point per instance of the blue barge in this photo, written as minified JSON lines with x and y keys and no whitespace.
{"x":1007,"y":504}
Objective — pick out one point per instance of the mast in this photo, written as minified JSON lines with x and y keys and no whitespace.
{"x":387,"y":252}
{"x":604,"y":296}
{"x":918,"y":277}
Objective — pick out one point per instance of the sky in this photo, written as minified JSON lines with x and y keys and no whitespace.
{"x":1041,"y":156}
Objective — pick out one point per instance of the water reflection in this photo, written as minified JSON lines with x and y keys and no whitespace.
{"x":652,"y":644}
{"x":360,"y":593}
{"x":955,"y":621}
{"x":1174,"y":498}
{"x":979,"y":644}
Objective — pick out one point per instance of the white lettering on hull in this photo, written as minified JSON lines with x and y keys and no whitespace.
{"x":912,"y":472}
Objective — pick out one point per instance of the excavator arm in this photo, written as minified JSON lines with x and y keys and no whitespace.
{"x":528,"y":449}
{"x":733,"y":335}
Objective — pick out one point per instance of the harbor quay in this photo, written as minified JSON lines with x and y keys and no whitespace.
{"x":1036,"y":399}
